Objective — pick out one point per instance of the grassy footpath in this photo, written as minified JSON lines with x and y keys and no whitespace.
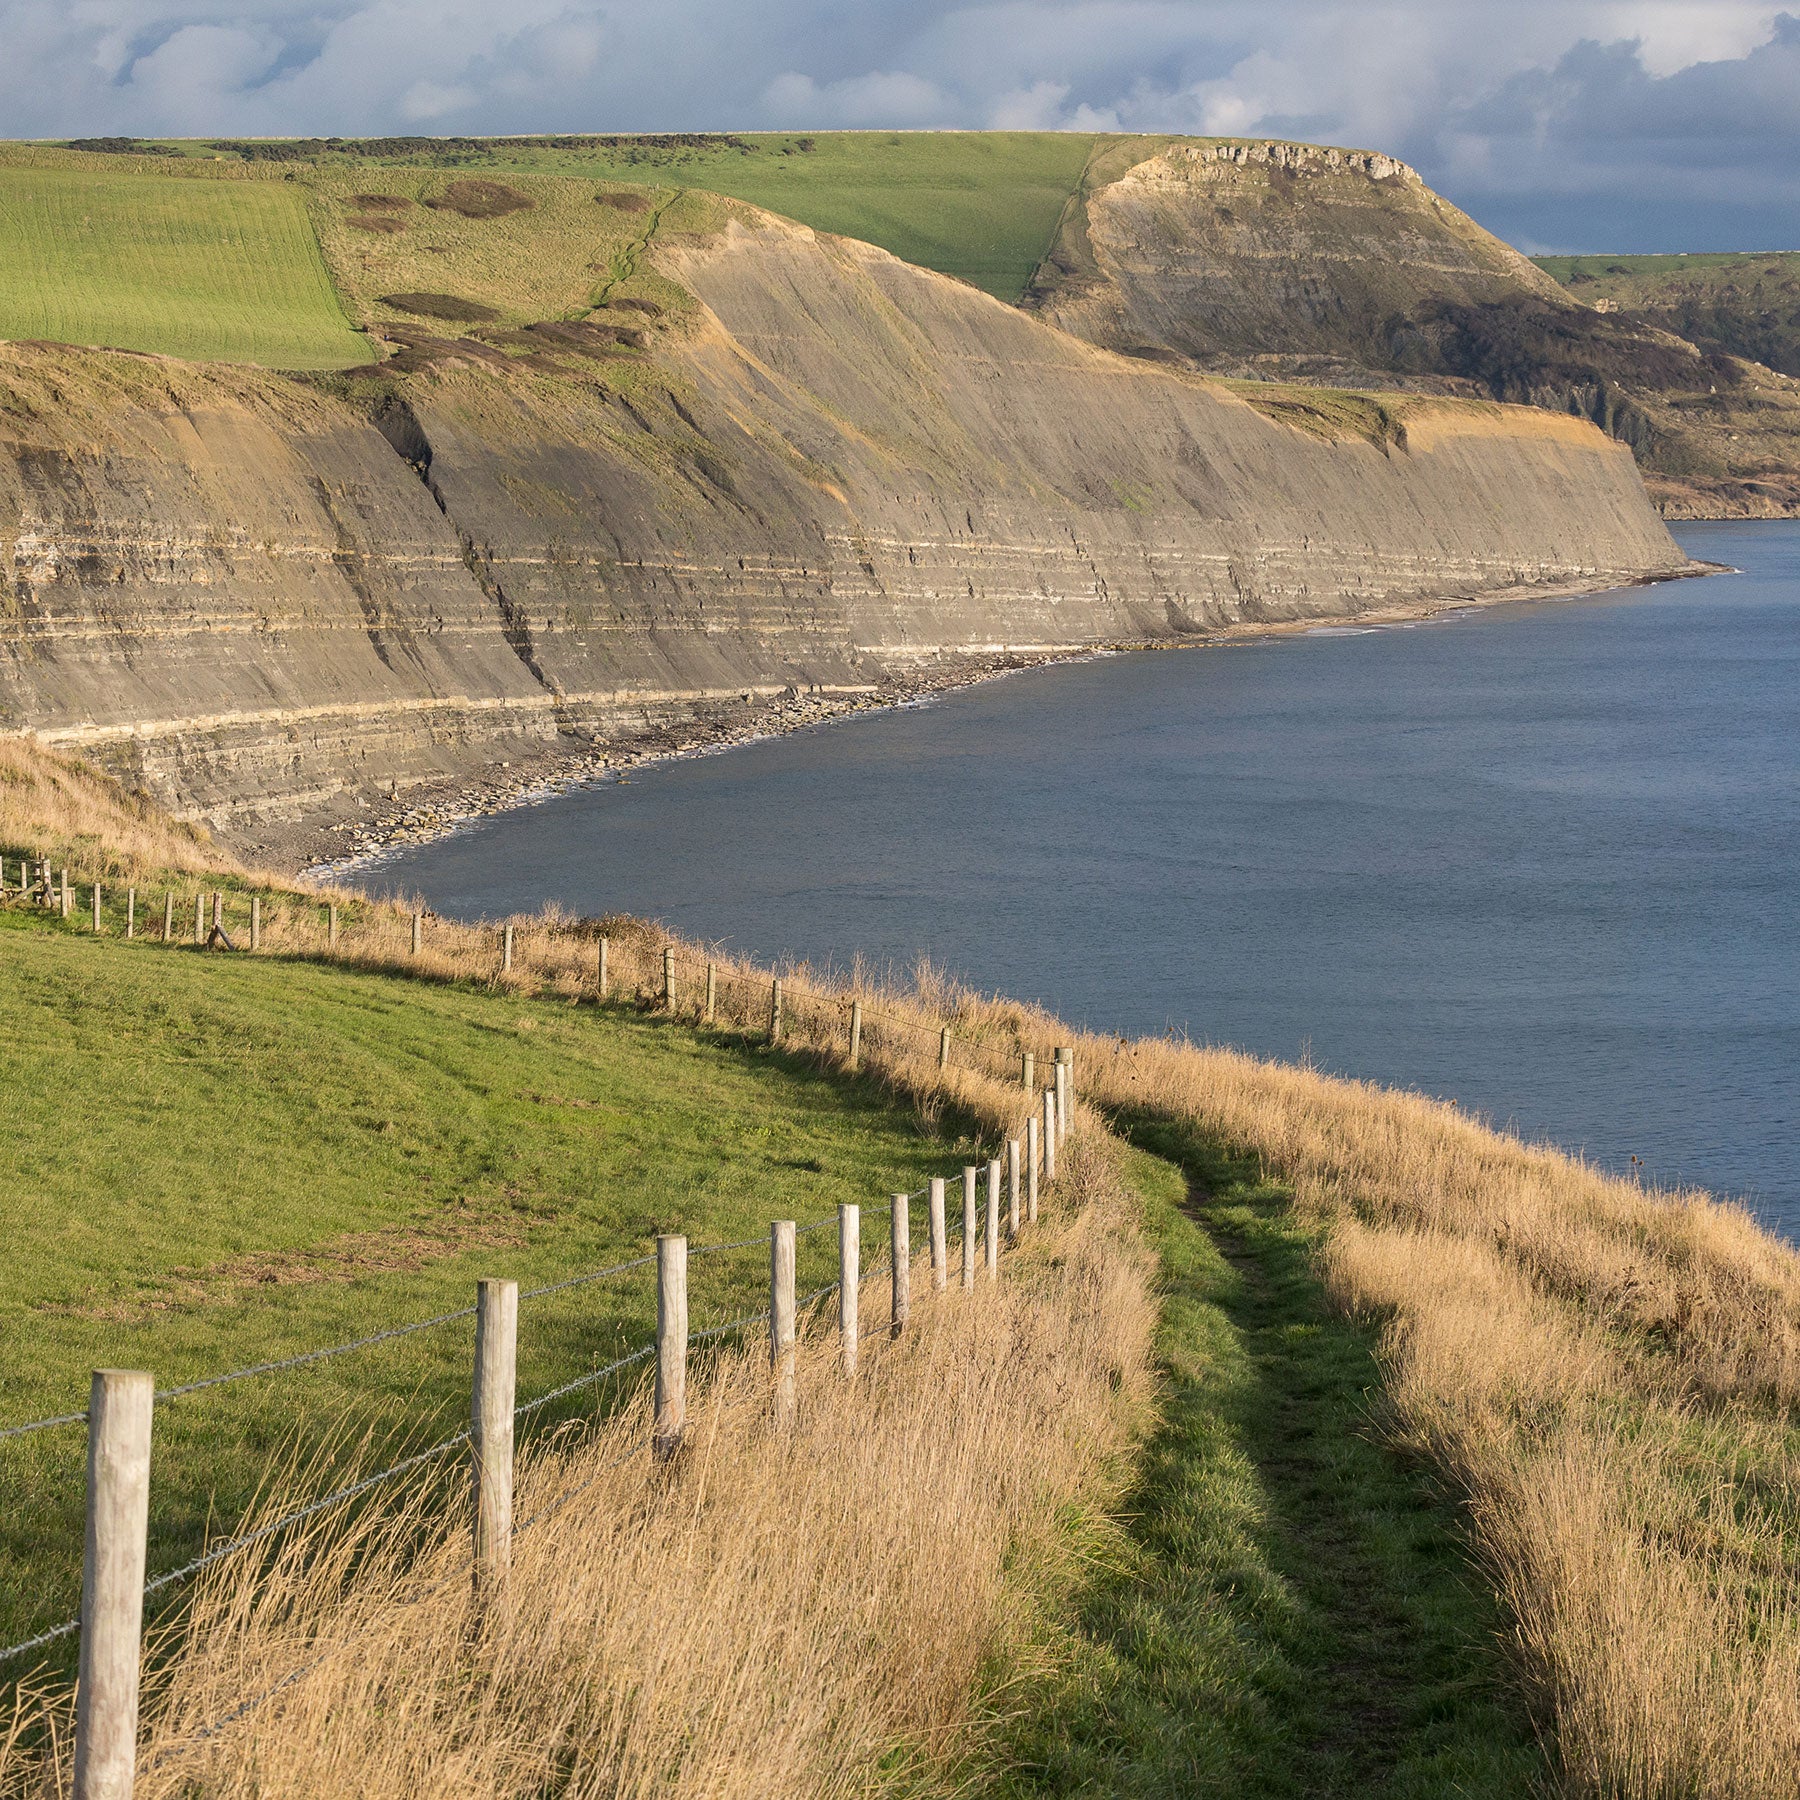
{"x":1290,"y":1608}
{"x":214,"y":1161}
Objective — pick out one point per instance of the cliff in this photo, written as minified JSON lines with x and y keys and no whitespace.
{"x":262,"y":598}
{"x":1293,"y":262}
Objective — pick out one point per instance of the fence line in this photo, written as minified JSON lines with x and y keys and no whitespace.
{"x":794,"y":1305}
{"x":111,"y":1618}
{"x":509,"y":953}
{"x":376,"y":1337}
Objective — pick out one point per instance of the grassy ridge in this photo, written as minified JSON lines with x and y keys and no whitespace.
{"x":982,"y":206}
{"x":228,"y":270}
{"x":223,"y":1161}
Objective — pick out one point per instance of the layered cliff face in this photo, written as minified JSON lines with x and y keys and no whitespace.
{"x":1293,"y":262}
{"x":831,"y":466}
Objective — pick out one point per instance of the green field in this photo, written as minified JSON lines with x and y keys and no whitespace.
{"x":222,"y":269}
{"x":217,"y":1161}
{"x":982,"y":206}
{"x":211,"y":257}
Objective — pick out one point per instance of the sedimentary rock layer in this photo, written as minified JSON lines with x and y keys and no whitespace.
{"x":258,"y":595}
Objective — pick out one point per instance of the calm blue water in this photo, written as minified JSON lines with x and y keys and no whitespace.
{"x":1541,"y":858}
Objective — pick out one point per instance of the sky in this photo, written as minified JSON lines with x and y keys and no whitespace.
{"x":1646,"y":125}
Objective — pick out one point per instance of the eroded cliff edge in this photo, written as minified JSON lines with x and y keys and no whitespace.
{"x":259,"y":597}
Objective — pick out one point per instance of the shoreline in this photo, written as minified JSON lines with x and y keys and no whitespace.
{"x":437,"y":810}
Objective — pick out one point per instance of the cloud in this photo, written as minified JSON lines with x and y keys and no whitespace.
{"x":883,"y":97}
{"x":1608,"y":122}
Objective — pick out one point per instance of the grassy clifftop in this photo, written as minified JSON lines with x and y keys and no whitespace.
{"x":1469,"y":1468}
{"x":1740,"y":303}
{"x":259,"y":252}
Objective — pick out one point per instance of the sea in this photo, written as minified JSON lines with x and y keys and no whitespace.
{"x":1541,"y":857}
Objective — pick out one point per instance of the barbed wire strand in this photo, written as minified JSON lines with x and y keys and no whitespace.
{"x":43,"y":1638}
{"x":342,"y":1495}
{"x":556,"y":1287}
{"x":581,"y":1381}
{"x":11,"y":1431}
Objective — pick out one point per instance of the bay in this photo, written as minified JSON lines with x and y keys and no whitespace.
{"x":1538,"y":857}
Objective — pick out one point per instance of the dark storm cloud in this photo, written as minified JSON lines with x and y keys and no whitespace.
{"x":1613,"y":123}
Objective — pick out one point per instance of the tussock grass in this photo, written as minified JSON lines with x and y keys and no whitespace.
{"x":60,"y":806}
{"x":1606,"y":1374}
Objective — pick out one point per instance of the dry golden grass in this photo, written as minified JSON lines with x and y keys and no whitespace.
{"x":1606,"y":1372}
{"x":774,"y":1613}
{"x":59,"y":806}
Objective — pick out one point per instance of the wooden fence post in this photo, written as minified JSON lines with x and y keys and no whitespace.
{"x":781,"y":1317}
{"x":1062,"y":1093}
{"x":200,"y":919}
{"x":218,"y":918}
{"x":1012,"y":1187}
{"x":1029,"y":1070}
{"x":418,"y":933}
{"x":849,"y":1279}
{"x":775,"y":1012}
{"x":67,"y":898}
{"x":331,"y":926}
{"x":1032,"y":1159}
{"x":668,"y":993}
{"x":968,"y":1267}
{"x":900,"y":1246}
{"x":993,"y":1219}
{"x":169,"y":916}
{"x":120,"y":1405}
{"x":603,"y":949}
{"x":940,"y":1273}
{"x":855,"y":1033}
{"x":671,"y":1346}
{"x":96,"y":909}
{"x":131,"y":912}
{"x":944,"y":1049}
{"x":712,"y":992}
{"x":506,"y":942}
{"x":1049,"y":1135}
{"x":491,"y":1441}
{"x":256,"y":921}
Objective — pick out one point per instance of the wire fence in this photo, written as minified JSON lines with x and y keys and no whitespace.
{"x":566,"y":957}
{"x":345,"y":1495}
{"x":839,"y":1021}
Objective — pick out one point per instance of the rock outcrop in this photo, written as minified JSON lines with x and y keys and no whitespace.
{"x":260,"y":597}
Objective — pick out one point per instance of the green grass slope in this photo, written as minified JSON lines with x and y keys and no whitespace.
{"x":217,"y":1161}
{"x":223,"y":270}
{"x":982,"y":206}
